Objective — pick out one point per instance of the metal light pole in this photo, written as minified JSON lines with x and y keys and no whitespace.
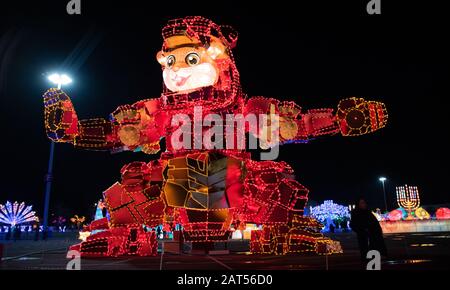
{"x":48,"y":186}
{"x":383,"y":179}
{"x":59,"y":80}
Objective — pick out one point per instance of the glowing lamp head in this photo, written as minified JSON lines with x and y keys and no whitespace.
{"x":382,"y":179}
{"x":59,"y":80}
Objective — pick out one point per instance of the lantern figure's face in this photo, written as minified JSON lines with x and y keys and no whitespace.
{"x":188,"y":65}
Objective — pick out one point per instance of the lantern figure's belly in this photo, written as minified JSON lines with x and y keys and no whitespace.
{"x":204,"y":189}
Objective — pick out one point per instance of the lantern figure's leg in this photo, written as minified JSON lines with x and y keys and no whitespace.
{"x":132,"y":203}
{"x":272,"y":195}
{"x":276,"y":200}
{"x":272,"y":239}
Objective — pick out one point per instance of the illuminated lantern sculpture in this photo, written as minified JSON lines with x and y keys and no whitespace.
{"x":395,"y":215}
{"x":13,"y":214}
{"x":422,"y":214}
{"x":205,"y":180}
{"x":443,"y":213}
{"x":408,"y":198}
{"x":329,"y":211}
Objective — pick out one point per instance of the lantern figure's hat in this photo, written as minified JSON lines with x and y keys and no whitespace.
{"x":196,"y":30}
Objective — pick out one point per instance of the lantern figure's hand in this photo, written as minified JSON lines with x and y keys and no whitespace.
{"x":291,"y":124}
{"x":288,"y":121}
{"x":63,"y":125}
{"x":296,"y":125}
{"x":357,"y":116}
{"x":140,"y":125}
{"x":61,"y":121}
{"x":129,"y":129}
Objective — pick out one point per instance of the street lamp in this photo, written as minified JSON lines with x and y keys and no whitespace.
{"x":383,"y":179}
{"x":59,"y":80}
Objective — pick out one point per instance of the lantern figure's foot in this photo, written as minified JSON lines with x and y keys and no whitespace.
{"x":301,"y":236}
{"x":117,"y":241}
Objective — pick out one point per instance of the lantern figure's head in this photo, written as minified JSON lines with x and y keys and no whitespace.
{"x":196,"y":54}
{"x":188,"y":65}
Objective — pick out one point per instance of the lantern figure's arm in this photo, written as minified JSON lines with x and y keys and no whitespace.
{"x":124,"y":130}
{"x":62,"y":124}
{"x":354,"y":116}
{"x":311,"y":124}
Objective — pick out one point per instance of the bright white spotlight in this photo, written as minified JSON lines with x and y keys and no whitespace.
{"x":382,"y":179}
{"x":59,"y":80}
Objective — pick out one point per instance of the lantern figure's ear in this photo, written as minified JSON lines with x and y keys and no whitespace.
{"x":161,"y":58}
{"x":216,"y":49}
{"x":230,"y":35}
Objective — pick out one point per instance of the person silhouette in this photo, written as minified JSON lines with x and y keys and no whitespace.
{"x":367,"y":229}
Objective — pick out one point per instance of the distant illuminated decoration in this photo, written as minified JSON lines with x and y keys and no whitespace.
{"x":395,"y":215}
{"x":15,"y":214}
{"x":422,"y":214}
{"x":443,"y":213}
{"x":408,"y":198}
{"x":329,"y":210}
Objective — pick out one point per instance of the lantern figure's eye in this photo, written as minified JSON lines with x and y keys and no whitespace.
{"x":192,"y":59}
{"x":170,"y":61}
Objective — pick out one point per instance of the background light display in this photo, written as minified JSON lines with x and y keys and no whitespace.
{"x":329,"y":211}
{"x":408,"y":198}
{"x":15,"y":214}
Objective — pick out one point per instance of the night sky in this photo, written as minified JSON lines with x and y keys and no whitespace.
{"x":315,"y":57}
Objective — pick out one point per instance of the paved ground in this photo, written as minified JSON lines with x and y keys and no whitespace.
{"x":407,"y":251}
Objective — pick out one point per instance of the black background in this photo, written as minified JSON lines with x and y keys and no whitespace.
{"x":315,"y":54}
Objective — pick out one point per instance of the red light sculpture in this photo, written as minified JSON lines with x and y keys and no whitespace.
{"x":443,"y":213}
{"x":204,"y":189}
